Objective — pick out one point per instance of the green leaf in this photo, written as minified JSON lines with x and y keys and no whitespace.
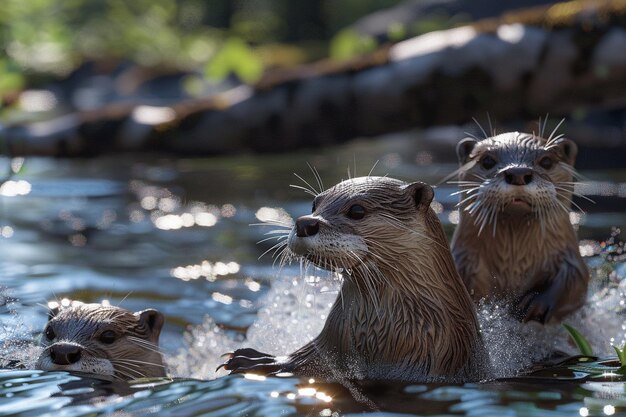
{"x":396,"y":32}
{"x":621,"y":354}
{"x":349,"y":43}
{"x":235,"y":57}
{"x":583,"y":344}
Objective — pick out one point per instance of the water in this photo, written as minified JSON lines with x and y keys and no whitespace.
{"x":174,"y":235}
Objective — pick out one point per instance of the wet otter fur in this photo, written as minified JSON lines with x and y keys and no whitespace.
{"x":514,"y":240}
{"x":102,"y":340}
{"x":403,"y":312}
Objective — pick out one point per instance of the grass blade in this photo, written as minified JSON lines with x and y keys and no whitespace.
{"x":579,"y":339}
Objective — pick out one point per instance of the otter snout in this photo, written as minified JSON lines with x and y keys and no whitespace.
{"x":518,"y":176}
{"x":65,"y":353}
{"x":307,"y":226}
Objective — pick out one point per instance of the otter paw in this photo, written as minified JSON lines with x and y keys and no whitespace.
{"x":250,"y":361}
{"x":536,"y":306}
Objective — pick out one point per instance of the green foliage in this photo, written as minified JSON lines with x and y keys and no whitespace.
{"x":52,"y":37}
{"x":581,"y":342}
{"x":349,"y":43}
{"x":10,"y":77}
{"x":621,"y":354}
{"x":235,"y":57}
{"x":396,"y":32}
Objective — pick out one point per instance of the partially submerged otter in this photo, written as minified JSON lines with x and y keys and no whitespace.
{"x":103,"y":340}
{"x":514,"y":239}
{"x":403,"y":312}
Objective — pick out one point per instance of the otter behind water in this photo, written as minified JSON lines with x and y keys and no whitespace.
{"x":403,"y":312}
{"x":103,"y":340}
{"x":514,"y":239}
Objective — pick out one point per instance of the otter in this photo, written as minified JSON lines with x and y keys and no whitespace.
{"x":403,"y":312}
{"x":103,"y":340}
{"x":514,"y":240}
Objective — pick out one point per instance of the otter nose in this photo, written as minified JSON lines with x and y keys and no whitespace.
{"x":65,"y":353}
{"x":307,"y":226}
{"x":518,"y":176}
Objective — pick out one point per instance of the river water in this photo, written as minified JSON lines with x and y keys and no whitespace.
{"x":175,"y":235}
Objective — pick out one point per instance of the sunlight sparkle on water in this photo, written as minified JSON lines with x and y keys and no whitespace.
{"x":208,"y":270}
{"x":255,"y":377}
{"x":15,"y":188}
{"x":584,"y":411}
{"x":609,"y":410}
{"x":222,"y":298}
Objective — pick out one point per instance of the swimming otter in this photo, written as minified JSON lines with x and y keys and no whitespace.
{"x":103,"y":340}
{"x":403,"y":312}
{"x":514,"y":239}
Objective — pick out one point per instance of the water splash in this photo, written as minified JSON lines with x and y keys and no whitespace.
{"x":292,"y":313}
{"x":295,"y":309}
{"x":17,"y":348}
{"x":515,"y":346}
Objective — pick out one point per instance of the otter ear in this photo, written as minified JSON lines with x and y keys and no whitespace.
{"x":464,"y":148}
{"x":421,"y":193}
{"x":569,"y":150}
{"x":153,"y":320}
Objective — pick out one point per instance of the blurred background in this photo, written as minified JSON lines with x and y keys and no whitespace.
{"x":141,"y":139}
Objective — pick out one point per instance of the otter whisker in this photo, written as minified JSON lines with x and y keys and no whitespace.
{"x":129,"y":373}
{"x":317,"y":176}
{"x":493,"y":130}
{"x":466,"y":191}
{"x":134,"y":361}
{"x":471,"y":135}
{"x":543,"y":127}
{"x":584,"y":197}
{"x":280,"y":237}
{"x":480,"y":127}
{"x":465,"y":200}
{"x":369,"y":278}
{"x":275,"y":247}
{"x":306,"y":190}
{"x":311,"y":188}
{"x":550,"y":138}
{"x":373,"y":244}
{"x":369,"y":174}
{"x":145,"y":344}
{"x":274,"y":222}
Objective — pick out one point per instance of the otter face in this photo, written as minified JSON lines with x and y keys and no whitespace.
{"x":515,"y":174}
{"x":103,"y":340}
{"x":354,"y":221}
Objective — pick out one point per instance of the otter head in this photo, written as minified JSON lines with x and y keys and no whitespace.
{"x":363,"y":222}
{"x":102,"y":340}
{"x":515,"y":175}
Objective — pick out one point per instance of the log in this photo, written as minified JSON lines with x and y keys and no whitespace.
{"x":552,"y":59}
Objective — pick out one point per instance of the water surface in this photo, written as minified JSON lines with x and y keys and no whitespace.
{"x":175,"y":234}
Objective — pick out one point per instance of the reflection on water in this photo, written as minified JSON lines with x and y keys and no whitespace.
{"x":175,"y":235}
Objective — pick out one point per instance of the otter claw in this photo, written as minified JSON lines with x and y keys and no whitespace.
{"x":535,"y":306}
{"x":242,"y":360}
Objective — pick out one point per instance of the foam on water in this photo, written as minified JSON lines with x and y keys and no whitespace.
{"x":294,"y":312}
{"x":17,"y":349}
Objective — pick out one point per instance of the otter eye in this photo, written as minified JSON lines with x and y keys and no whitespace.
{"x":356,"y":212}
{"x":546,"y":162}
{"x":488,"y":162}
{"x":50,"y":333}
{"x":107,"y":337}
